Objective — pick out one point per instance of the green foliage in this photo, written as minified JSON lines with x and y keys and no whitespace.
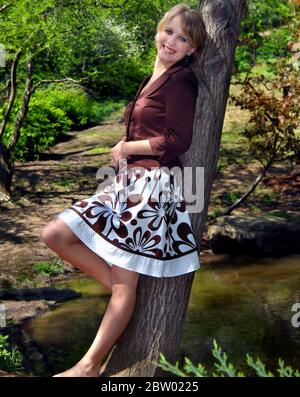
{"x":265,"y":31}
{"x":10,"y":358}
{"x":53,"y":112}
{"x":141,"y":18}
{"x":44,"y":124}
{"x":120,"y":77}
{"x":49,"y":269}
{"x":275,"y":109}
{"x":224,"y":367}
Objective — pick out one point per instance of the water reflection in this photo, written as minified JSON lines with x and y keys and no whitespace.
{"x":244,"y":304}
{"x":246,"y":308}
{"x":58,"y":339}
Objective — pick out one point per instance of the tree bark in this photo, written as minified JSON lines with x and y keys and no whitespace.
{"x":12,"y":94}
{"x":24,"y":108}
{"x":6,"y":171}
{"x":162,"y":303}
{"x":222,"y":20}
{"x":6,"y":164}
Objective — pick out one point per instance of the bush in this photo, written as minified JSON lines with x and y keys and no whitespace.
{"x":51,"y":269}
{"x":54,"y":111}
{"x":44,"y":124}
{"x":10,"y":359}
{"x":225,"y":368}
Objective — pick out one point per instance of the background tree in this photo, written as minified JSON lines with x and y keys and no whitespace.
{"x":24,"y":42}
{"x":52,"y":42}
{"x":274,"y":119}
{"x":271,"y":94}
{"x":162,"y":303}
{"x":57,"y":42}
{"x":265,"y":30}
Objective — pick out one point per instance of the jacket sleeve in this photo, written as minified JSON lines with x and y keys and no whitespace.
{"x":179,"y":119}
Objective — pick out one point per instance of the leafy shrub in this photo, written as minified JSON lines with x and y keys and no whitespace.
{"x":43,"y":126}
{"x":10,"y":359}
{"x":225,"y":368}
{"x":51,"y":269}
{"x":53,"y":111}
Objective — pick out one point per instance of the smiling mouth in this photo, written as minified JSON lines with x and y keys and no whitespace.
{"x":169,"y":50}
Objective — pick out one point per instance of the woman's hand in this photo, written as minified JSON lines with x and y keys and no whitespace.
{"x":118,"y":152}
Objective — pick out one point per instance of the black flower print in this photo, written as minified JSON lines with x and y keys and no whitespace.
{"x":187,"y":242}
{"x":158,"y":211}
{"x":143,"y":242}
{"x":176,"y":203}
{"x":111,"y":212}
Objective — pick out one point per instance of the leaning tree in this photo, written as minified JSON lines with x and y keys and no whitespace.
{"x":162,"y":304}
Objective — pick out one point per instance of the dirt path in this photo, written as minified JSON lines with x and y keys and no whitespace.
{"x":68,"y":172}
{"x":43,"y":188}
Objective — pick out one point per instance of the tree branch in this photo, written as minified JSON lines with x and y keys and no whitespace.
{"x":24,"y":108}
{"x":69,"y":80}
{"x":238,"y":202}
{"x":13,"y":91}
{"x":4,"y":7}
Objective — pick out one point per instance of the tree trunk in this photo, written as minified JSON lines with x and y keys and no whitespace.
{"x":12,"y":94}
{"x":24,"y":108}
{"x":6,"y":171}
{"x":6,"y":164}
{"x":162,"y":303}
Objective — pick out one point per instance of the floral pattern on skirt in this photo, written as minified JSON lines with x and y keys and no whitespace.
{"x":138,"y":222}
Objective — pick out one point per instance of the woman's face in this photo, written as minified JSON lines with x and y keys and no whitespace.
{"x":171,"y":43}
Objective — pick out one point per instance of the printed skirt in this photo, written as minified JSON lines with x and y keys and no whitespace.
{"x":139,"y":222}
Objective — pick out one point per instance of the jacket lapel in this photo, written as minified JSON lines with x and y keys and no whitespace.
{"x":160,"y":80}
{"x":155,"y":85}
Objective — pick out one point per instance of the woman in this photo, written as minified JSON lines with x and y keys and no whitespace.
{"x":132,"y":226}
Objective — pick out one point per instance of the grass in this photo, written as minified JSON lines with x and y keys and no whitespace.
{"x":49,"y":268}
{"x":282,"y":215}
{"x":35,"y":275}
{"x":65,"y":183}
{"x":99,"y":150}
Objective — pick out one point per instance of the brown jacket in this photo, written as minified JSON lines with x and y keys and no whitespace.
{"x":164,"y":114}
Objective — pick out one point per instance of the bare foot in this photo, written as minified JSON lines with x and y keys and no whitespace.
{"x":79,"y":371}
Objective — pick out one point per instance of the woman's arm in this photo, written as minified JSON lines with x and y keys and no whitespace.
{"x":124,"y":149}
{"x":179,"y":118}
{"x":138,"y":148}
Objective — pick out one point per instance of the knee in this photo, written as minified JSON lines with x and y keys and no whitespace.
{"x":51,"y":236}
{"x":124,"y":292}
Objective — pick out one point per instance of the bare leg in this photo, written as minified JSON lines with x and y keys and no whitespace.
{"x":116,"y":318}
{"x":59,"y":237}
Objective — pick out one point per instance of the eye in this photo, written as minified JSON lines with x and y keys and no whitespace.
{"x":181,"y":38}
{"x":168,"y":31}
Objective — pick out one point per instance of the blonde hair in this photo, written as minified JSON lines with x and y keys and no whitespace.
{"x":192,"y":24}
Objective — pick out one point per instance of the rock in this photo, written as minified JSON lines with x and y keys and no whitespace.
{"x":4,"y":374}
{"x":17,"y":312}
{"x":6,"y":281}
{"x":254,"y":236}
{"x":46,"y":293}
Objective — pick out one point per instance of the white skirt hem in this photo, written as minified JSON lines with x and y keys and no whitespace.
{"x":114,"y":255}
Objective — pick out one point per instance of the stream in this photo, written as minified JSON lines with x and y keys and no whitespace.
{"x":244,"y":303}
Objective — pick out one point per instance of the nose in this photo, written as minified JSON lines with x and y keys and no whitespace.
{"x":171,"y":41}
